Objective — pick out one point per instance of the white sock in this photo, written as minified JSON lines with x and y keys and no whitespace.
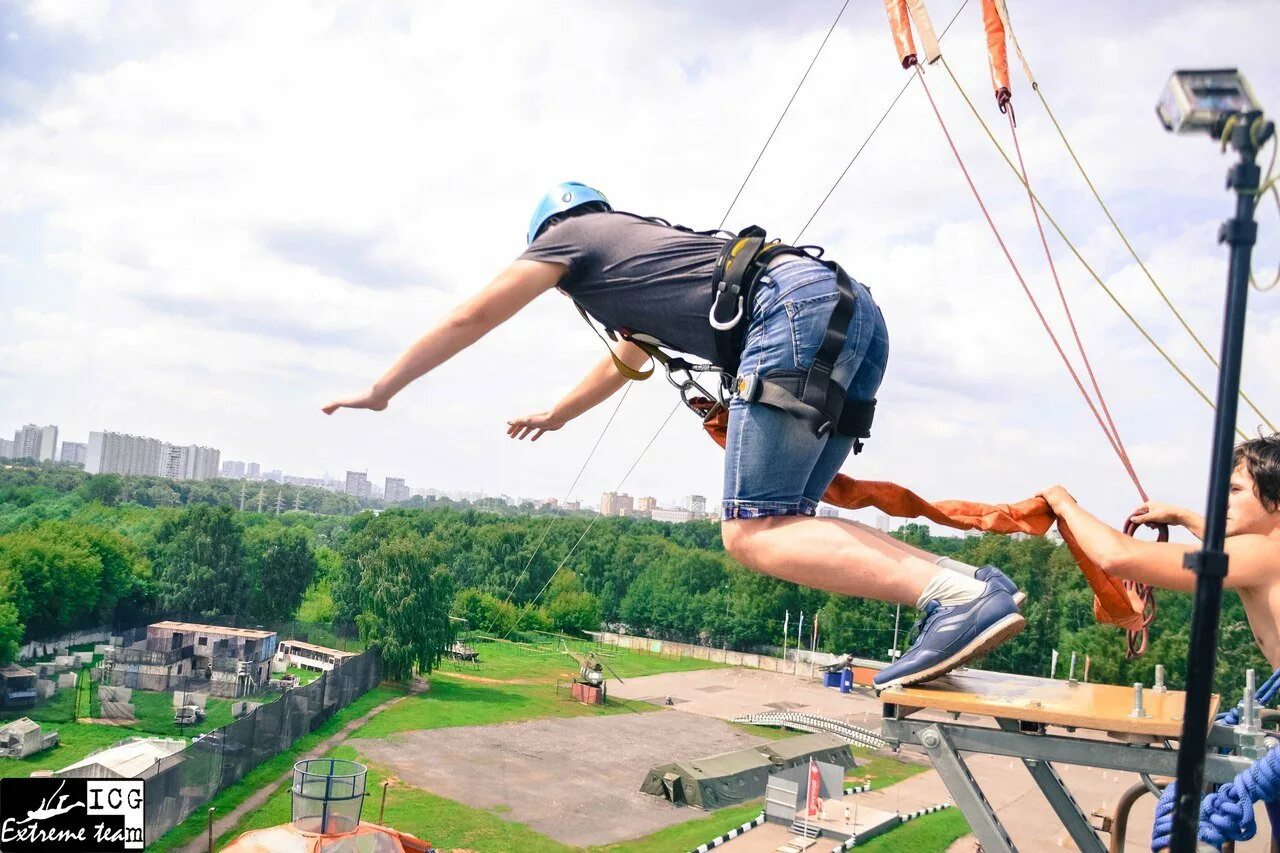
{"x":957,"y":566}
{"x":950,"y":588}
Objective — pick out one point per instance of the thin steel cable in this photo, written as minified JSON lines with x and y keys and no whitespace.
{"x":1027,"y":290}
{"x":592,"y":524}
{"x":1200,"y":392}
{"x":883,"y":116}
{"x":1134,"y":254}
{"x":568,"y":492}
{"x":778,"y":124}
{"x":1066,"y":309}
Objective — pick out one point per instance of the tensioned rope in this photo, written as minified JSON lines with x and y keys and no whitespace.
{"x":858,"y":153}
{"x":1083,"y":262}
{"x":1133,"y":253}
{"x":1066,"y":308}
{"x":778,"y":124}
{"x":1027,"y":290}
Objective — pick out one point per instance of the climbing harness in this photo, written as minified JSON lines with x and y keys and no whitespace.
{"x":810,"y":394}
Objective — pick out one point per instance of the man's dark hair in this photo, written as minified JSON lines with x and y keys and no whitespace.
{"x":589,"y":207}
{"x":1261,"y":458}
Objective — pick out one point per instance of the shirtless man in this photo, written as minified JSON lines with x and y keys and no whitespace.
{"x":1253,"y":540}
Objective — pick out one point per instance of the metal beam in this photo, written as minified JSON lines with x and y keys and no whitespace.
{"x":1065,"y":805}
{"x":1064,"y":750}
{"x":965,"y":791}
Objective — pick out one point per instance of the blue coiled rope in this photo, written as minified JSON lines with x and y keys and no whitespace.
{"x":1227,"y":813}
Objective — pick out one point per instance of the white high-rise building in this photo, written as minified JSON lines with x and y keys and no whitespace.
{"x":120,"y":453}
{"x":6,"y":448}
{"x":188,"y":462}
{"x":35,"y":442}
{"x":253,"y":470}
{"x":882,"y":523}
{"x":233,"y":470}
{"x":73,"y":452}
{"x":395,"y":490}
{"x":696,"y":504}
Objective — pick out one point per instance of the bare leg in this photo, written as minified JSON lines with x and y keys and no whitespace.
{"x":832,"y":554}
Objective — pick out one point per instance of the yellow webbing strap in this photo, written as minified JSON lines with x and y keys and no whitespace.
{"x":626,"y":370}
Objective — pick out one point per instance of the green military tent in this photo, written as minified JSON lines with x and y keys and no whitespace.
{"x":710,"y":783}
{"x":742,"y":775}
{"x":820,"y":746}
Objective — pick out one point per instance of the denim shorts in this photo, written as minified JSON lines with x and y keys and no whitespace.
{"x":774,"y":464}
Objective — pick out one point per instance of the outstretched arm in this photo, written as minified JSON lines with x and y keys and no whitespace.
{"x":514,"y":288}
{"x":1155,"y":563}
{"x":600,"y":384}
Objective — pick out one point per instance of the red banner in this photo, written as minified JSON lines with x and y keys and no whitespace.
{"x":815,"y":785}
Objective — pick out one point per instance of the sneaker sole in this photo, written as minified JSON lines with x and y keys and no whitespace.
{"x":1018,"y":598}
{"x":1009,"y":626}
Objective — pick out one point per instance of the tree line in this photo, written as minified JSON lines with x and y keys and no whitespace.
{"x":400,"y":574}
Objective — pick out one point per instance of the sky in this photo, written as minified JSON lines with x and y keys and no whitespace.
{"x":218,"y":217}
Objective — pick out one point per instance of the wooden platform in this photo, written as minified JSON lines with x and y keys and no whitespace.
{"x":1100,"y":707}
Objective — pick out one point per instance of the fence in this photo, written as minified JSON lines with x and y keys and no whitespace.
{"x":801,"y":663}
{"x":184,"y":782}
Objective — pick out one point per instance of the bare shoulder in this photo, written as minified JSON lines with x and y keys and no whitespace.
{"x":1254,"y":559}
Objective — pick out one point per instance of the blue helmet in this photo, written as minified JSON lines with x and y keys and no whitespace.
{"x":560,"y":198}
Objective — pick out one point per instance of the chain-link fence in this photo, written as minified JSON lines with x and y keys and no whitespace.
{"x":183,"y":782}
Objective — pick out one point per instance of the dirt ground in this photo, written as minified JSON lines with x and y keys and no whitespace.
{"x":576,"y":780}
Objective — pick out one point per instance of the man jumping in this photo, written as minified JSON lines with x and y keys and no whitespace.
{"x":806,"y":347}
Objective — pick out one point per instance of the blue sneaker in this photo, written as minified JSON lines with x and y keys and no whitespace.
{"x":952,"y":636}
{"x":990,"y":574}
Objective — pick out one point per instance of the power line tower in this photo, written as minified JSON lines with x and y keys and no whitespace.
{"x":297,"y":500}
{"x":262,"y":495}
{"x":279,"y":501}
{"x":242,"y":490}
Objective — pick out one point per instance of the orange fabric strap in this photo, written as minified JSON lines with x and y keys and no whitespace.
{"x":1113,"y":603}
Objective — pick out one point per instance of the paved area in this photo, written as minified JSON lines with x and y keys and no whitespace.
{"x":1021,"y":807}
{"x":576,"y":780}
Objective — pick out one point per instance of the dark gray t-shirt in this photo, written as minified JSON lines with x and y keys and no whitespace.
{"x":635,"y":275}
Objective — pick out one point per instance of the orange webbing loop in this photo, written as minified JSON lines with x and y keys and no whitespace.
{"x":997,"y":54}
{"x":900,"y":23}
{"x":1113,"y":603}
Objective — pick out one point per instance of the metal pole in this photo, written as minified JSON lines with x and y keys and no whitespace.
{"x":897,"y":617}
{"x":382,"y":808}
{"x":211,"y":810}
{"x":1210,"y":563}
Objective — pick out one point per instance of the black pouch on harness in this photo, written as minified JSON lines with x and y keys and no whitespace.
{"x":810,"y":395}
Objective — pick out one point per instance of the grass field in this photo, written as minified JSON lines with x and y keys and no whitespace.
{"x":545,"y":662}
{"x":931,"y":832}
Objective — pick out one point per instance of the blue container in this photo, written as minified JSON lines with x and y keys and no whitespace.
{"x":831,"y":679}
{"x":846,"y":680}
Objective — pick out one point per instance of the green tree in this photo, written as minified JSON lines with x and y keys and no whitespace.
{"x":103,"y":488}
{"x":53,"y":581}
{"x":280,"y":563}
{"x":11,"y":630}
{"x":198,"y":562}
{"x":408,"y":595}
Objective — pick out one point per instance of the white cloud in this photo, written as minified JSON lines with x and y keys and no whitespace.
{"x":250,"y":208}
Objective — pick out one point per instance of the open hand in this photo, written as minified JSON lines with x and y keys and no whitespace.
{"x":1155,"y":512}
{"x":366,"y":400}
{"x":536,"y":424}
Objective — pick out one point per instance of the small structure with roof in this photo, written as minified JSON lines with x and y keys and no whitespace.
{"x":309,"y":656}
{"x":328,"y":794}
{"x":17,"y":687}
{"x":132,"y":758}
{"x":24,"y":737}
